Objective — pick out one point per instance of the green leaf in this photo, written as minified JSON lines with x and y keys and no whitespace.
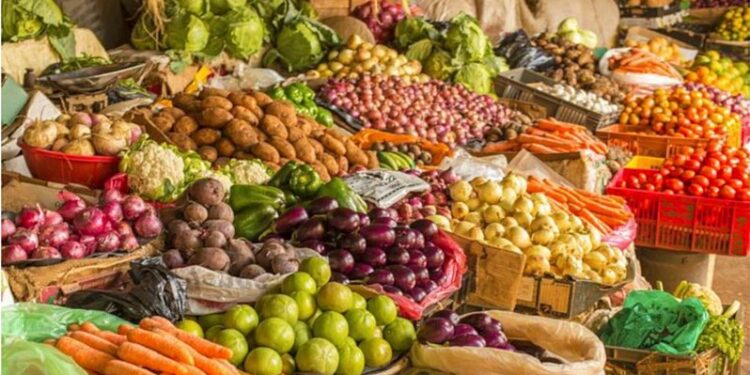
{"x":63,"y":41}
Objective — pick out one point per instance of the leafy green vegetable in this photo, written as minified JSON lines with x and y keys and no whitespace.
{"x":301,"y":44}
{"x":245,"y":32}
{"x":420,"y":50}
{"x":410,"y":30}
{"x":196,"y":7}
{"x":27,"y":19}
{"x":466,"y":40}
{"x":217,"y":28}
{"x":224,"y":6}
{"x":724,"y":334}
{"x":476,"y":77}
{"x":439,"y":65}
{"x":187,"y":32}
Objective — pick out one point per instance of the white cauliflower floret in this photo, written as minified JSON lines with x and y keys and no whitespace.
{"x":248,"y":172}
{"x":154,"y":171}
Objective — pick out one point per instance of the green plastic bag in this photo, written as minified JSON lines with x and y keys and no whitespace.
{"x":38,"y":322}
{"x":31,"y":358}
{"x":656,"y":320}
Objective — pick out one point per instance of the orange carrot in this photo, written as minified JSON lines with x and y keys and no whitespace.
{"x":145,"y":357}
{"x":527,"y":138}
{"x":94,"y":341}
{"x":74,"y":327}
{"x":497,"y":147}
{"x":109,"y":336}
{"x":203,"y":346}
{"x":551,"y":125}
{"x":167,"y":345}
{"x":84,"y":355}
{"x":541,"y":149}
{"x":207,"y":365}
{"x":117,"y":367}
{"x":124,"y":328}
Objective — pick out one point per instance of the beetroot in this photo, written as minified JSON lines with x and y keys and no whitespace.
{"x":8,"y":228}
{"x":13,"y":253}
{"x":30,"y":217}
{"x":73,"y":250}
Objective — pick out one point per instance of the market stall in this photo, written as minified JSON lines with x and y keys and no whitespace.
{"x":377,"y":187}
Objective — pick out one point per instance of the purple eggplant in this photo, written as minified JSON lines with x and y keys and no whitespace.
{"x":378,"y":235}
{"x":290,"y":219}
{"x":322,"y":206}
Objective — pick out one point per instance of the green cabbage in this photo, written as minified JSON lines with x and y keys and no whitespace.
{"x":187,"y":32}
{"x":217,"y":29}
{"x":568,"y":24}
{"x":301,"y":44}
{"x":466,"y":40}
{"x":439,"y":65}
{"x":412,"y":29}
{"x":244,"y":32}
{"x":475,"y":77}
{"x":196,"y":7}
{"x":223,"y":6}
{"x":420,"y":50}
{"x":26,"y":19}
{"x":143,"y":36}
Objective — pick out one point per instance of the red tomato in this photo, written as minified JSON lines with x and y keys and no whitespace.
{"x":632,"y":182}
{"x":642,"y":178}
{"x":708,"y":172}
{"x":738,"y":173}
{"x":735,"y":183}
{"x":649,"y":186}
{"x":663,"y":172}
{"x":725,"y":172}
{"x":712,"y":162}
{"x":701,"y":180}
{"x":727,"y":192}
{"x":687,"y":175}
{"x":668,"y":191}
{"x":679,"y":160}
{"x":743,"y":194}
{"x":657,"y":179}
{"x":677,"y":172}
{"x":719,"y":182}
{"x":692,"y":165}
{"x":674,"y":184}
{"x":714,"y":147}
{"x":712,"y":192}
{"x":695,"y":189}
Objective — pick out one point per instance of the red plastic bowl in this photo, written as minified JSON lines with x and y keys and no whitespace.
{"x":91,"y":171}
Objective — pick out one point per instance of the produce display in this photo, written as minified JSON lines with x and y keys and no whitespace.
{"x":76,"y":229}
{"x":640,"y":61}
{"x":507,"y":215}
{"x":717,"y":171}
{"x":714,"y":69}
{"x":585,"y":99}
{"x":668,"y":51}
{"x":435,"y":110}
{"x":388,"y":152}
{"x":303,"y":98}
{"x":549,"y":137}
{"x":381,"y":17}
{"x":735,"y":24}
{"x":445,"y":327}
{"x":82,"y":133}
{"x":431,"y":204}
{"x":359,"y":58}
{"x":301,"y":43}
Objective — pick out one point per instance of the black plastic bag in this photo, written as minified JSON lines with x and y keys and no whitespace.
{"x":155,"y":291}
{"x":520,"y":52}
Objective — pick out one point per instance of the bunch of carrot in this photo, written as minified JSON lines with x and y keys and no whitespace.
{"x":642,"y":61}
{"x":155,"y":347}
{"x":603,"y":212}
{"x":549,"y":136}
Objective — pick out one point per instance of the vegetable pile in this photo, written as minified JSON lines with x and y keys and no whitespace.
{"x":549,"y":136}
{"x":82,"y":134}
{"x":479,"y":330}
{"x":303,"y":98}
{"x":724,"y":333}
{"x":76,"y":230}
{"x":585,"y":99}
{"x":435,"y":110}
{"x":431,"y":204}
{"x":659,"y":46}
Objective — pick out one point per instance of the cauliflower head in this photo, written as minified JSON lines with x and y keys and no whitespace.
{"x":247,"y":172}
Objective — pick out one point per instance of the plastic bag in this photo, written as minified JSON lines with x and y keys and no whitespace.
{"x":643,"y":83}
{"x":656,"y":320}
{"x":468,"y":167}
{"x":31,"y":358}
{"x":156,"y":291}
{"x":579,"y":348}
{"x":39,"y":322}
{"x":526,"y":164}
{"x":623,"y":236}
{"x":516,"y":47}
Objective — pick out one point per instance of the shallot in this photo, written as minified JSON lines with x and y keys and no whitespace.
{"x":45,"y":252}
{"x":25,"y":238}
{"x":129,"y":243}
{"x":54,"y":235}
{"x":113,"y":210}
{"x":112,"y":195}
{"x":107,"y":243}
{"x":72,"y":205}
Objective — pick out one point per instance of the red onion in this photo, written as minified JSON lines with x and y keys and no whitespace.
{"x":112,"y":195}
{"x":124,"y":229}
{"x":73,"y":250}
{"x":129,"y":243}
{"x":26,"y":238}
{"x":8,"y":228}
{"x":88,"y":242}
{"x":45,"y":252}
{"x":148,"y":225}
{"x":54,"y":235}
{"x":107,"y":243}
{"x":52,"y":218}
{"x":90,"y":221}
{"x":133,"y":206}
{"x":30,"y":217}
{"x":72,"y":205}
{"x":13,"y":253}
{"x":113,"y":210}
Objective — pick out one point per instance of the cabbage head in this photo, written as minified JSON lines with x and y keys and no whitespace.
{"x":244,"y":33}
{"x":217,"y":29}
{"x":420,"y":50}
{"x":143,"y":36}
{"x":466,"y":40}
{"x":475,"y":77}
{"x":196,"y":7}
{"x":223,"y":6}
{"x":412,"y":29}
{"x":439,"y":65}
{"x":186,"y":32}
{"x":301,"y":44}
{"x":26,"y":19}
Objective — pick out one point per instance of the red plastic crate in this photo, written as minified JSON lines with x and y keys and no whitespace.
{"x":686,"y":223}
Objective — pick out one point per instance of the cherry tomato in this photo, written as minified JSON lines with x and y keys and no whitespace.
{"x":642,"y":178}
{"x":708,"y":172}
{"x":657,"y":179}
{"x":687,"y":175}
{"x":712,"y":162}
{"x":712,"y":192}
{"x":649,"y":187}
{"x":743,"y":195}
{"x":727,"y":192}
{"x":633,"y":182}
{"x":695,"y":189}
{"x":701,"y":180}
{"x":735,"y":183}
{"x":725,"y":172}
{"x":692,"y":165}
{"x":679,"y":160}
{"x":719,"y":182}
{"x":674,"y":184}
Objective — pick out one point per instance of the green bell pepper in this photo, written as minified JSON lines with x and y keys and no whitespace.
{"x":343,"y":194}
{"x":307,"y":92}
{"x":254,"y":219}
{"x":295,"y":93}
{"x":304,"y":181}
{"x":241,"y":196}
{"x":324,"y":117}
{"x":312,"y":108}
{"x":281,"y":178}
{"x":278,"y":93}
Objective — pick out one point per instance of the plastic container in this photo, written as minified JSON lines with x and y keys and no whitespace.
{"x":636,"y":141}
{"x":515,"y":84}
{"x":686,"y":223}
{"x":645,"y":162}
{"x":90,"y":171}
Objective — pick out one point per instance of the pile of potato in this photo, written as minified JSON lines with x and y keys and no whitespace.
{"x":220,"y":124}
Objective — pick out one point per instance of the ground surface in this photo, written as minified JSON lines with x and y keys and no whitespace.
{"x":732,"y":281}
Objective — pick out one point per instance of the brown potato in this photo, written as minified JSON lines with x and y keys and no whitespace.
{"x":211,"y":91}
{"x":241,"y":133}
{"x":215,"y":117}
{"x":248,"y":102}
{"x":343,"y":164}
{"x":319,"y":149}
{"x":332,"y":144}
{"x":321,"y":169}
{"x":262,"y":99}
{"x":286,"y":150}
{"x":304,"y":150}
{"x":284,"y":111}
{"x":183,"y":101}
{"x":338,"y":135}
{"x":185,"y":125}
{"x":330,"y":163}
{"x":273,"y":127}
{"x":295,"y":133}
{"x":225,"y":147}
{"x":257,"y":111}
{"x":245,"y":114}
{"x":305,"y":126}
{"x":182,"y":141}
{"x":265,"y":152}
{"x":262,"y":137}
{"x":208,"y":153}
{"x":163,"y":122}
{"x":216,"y":102}
{"x":236,"y":97}
{"x":372,"y":160}
{"x":176,"y":113}
{"x":355,"y":155}
{"x":205,"y":136}
{"x":243,"y":155}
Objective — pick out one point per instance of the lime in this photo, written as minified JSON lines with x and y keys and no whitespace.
{"x":234,"y":340}
{"x":314,"y":316}
{"x":213,"y":331}
{"x":361,"y":324}
{"x":351,"y":360}
{"x":318,"y":268}
{"x":299,"y":281}
{"x":276,"y":334}
{"x":377,"y":352}
{"x":383,"y":308}
{"x":190,"y":326}
{"x":331,"y":326}
{"x":287,"y":364}
{"x":400,"y":334}
{"x":306,"y":305}
{"x":336,"y":297}
{"x":378,"y":333}
{"x":317,"y":355}
{"x":358,"y":302}
{"x":279,"y":306}
{"x":208,"y":321}
{"x":349,"y":341}
{"x":302,"y":333}
{"x":263,"y":361}
{"x":242,"y":318}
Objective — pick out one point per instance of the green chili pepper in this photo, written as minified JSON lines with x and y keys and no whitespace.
{"x":305,"y":182}
{"x":307,"y":92}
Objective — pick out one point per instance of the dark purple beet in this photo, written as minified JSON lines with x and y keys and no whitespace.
{"x":339,"y":278}
{"x":322,"y":205}
{"x":373,"y":256}
{"x":417,"y":259}
{"x":449,"y":314}
{"x":464,"y":329}
{"x":381,"y":276}
{"x":378,"y":235}
{"x":421,"y":274}
{"x":429,"y":286}
{"x":343,"y":219}
{"x":477,"y":320}
{"x":426,"y":227}
{"x":435,"y":330}
{"x":398,"y":255}
{"x":361,"y":270}
{"x":312,"y":229}
{"x":468,"y":340}
{"x":354,"y":242}
{"x":341,"y":261}
{"x":387,"y":221}
{"x":393,"y":290}
{"x":403,"y":276}
{"x":434,"y":255}
{"x":316,"y":245}
{"x":417,"y":294}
